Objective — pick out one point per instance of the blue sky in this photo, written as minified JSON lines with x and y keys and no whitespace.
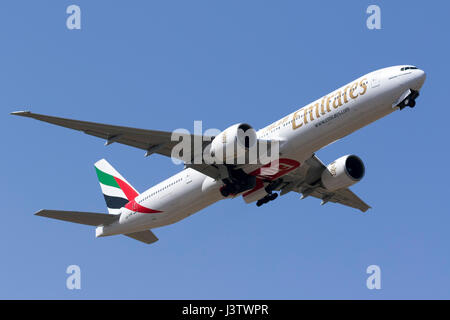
{"x":162,"y":65}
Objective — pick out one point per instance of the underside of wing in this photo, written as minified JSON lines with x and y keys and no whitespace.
{"x":152,"y":141}
{"x":307,"y":181}
{"x":342,"y":196}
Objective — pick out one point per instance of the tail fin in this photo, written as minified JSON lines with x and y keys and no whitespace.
{"x":116,"y":190}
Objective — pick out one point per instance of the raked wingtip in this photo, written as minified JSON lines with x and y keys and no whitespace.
{"x":20,"y":113}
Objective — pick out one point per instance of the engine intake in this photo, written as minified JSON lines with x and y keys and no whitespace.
{"x":233,"y":143}
{"x":343,"y":173}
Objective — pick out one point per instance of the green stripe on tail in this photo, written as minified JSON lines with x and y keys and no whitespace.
{"x":106,"y":179}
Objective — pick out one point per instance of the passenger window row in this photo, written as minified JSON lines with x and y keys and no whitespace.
{"x":165,"y":187}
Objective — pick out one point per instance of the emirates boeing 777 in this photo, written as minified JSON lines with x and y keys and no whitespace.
{"x":298,"y":136}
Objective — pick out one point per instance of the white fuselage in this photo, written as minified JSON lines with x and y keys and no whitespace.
{"x":301,"y":133}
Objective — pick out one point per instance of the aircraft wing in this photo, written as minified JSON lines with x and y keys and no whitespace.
{"x":151,"y":141}
{"x":305,"y":180}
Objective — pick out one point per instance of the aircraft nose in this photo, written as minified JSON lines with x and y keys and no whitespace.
{"x":418,"y":79}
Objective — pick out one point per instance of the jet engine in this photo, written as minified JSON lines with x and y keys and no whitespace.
{"x":343,"y":173}
{"x":233,"y":143}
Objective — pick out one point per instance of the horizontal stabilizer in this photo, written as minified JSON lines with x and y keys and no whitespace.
{"x":143,"y":236}
{"x":87,"y":218}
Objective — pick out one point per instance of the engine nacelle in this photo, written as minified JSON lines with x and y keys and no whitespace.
{"x":343,"y":172}
{"x":232,"y":143}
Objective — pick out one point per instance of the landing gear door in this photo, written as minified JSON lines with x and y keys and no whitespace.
{"x":402,"y":97}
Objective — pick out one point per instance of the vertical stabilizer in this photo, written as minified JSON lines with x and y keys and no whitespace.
{"x":116,"y":190}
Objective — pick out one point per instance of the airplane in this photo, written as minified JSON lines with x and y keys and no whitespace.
{"x":200,"y":184}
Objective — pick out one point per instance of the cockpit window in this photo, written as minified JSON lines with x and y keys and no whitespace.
{"x":407,"y":68}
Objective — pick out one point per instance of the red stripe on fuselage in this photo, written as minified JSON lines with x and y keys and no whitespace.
{"x":134,"y":206}
{"x":131,"y":194}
